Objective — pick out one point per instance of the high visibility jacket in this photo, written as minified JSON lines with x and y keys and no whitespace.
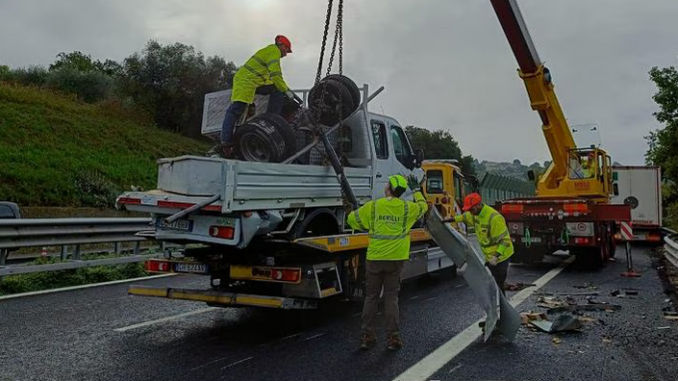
{"x":388,"y":221}
{"x":263,"y":68}
{"x":491,"y":231}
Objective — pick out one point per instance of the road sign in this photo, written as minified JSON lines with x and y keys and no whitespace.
{"x":626,"y":231}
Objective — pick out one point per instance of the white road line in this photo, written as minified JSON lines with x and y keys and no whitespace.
{"x":290,"y":336}
{"x":25,"y":294}
{"x":314,"y":337}
{"x":431,"y":298}
{"x":437,"y":359}
{"x":414,"y":297}
{"x":208,"y":363}
{"x":162,"y":320}
{"x":237,"y":362}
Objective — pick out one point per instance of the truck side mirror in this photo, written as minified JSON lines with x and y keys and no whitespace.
{"x":615,"y":189}
{"x":419,"y":157}
{"x":530,"y":175}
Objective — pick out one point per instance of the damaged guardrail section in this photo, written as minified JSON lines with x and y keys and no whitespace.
{"x":671,"y":246}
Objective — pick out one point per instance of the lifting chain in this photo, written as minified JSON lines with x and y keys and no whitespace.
{"x":338,"y":36}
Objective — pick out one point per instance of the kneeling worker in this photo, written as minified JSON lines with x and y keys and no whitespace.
{"x":388,"y":221}
{"x":261,"y":74}
{"x":492,"y":233}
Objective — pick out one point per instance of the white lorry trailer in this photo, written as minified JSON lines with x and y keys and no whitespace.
{"x":274,"y":234}
{"x":640,"y":188}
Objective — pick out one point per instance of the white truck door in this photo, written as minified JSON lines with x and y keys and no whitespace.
{"x":382,"y":168}
{"x":403,"y":155}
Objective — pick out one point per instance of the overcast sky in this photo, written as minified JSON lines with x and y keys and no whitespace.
{"x":445,"y":64}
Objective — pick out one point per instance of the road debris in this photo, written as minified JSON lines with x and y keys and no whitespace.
{"x":606,"y":340}
{"x":527,"y":317}
{"x":586,"y":286}
{"x":517,"y":286}
{"x":556,"y":340}
{"x":584,"y":307}
{"x":563,"y":323}
{"x":625,"y":293}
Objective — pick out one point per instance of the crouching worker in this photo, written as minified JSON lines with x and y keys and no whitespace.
{"x":492,"y":233}
{"x":388,"y":221}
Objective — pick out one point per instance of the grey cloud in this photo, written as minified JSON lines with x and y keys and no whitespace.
{"x":444,"y":64}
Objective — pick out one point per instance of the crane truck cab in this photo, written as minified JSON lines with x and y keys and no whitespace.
{"x":445,"y":187}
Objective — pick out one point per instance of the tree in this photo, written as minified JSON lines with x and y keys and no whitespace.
{"x":170,"y":82}
{"x":663,"y":143}
{"x":439,"y":144}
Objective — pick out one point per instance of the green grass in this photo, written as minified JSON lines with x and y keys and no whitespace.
{"x":14,"y":284}
{"x":56,"y":151}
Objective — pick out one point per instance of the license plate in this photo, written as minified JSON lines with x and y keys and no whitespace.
{"x":195,"y":268}
{"x":532,"y":239}
{"x":183,"y":225}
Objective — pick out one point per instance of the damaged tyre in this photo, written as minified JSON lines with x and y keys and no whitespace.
{"x":267,"y":138}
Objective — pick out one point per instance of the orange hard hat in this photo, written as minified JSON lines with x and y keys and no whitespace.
{"x":471,"y":200}
{"x":282,"y":40}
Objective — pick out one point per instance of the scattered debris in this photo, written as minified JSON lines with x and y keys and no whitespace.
{"x":566,"y":293}
{"x":556,"y":340}
{"x":587,"y":286}
{"x":587,"y":319}
{"x":606,"y":340}
{"x":550,"y":302}
{"x":526,"y":317}
{"x":518,"y":286}
{"x":627,"y":292}
{"x":669,"y":317}
{"x":665,"y":327}
{"x":615,"y":293}
{"x":584,"y":307}
{"x":563,"y":323}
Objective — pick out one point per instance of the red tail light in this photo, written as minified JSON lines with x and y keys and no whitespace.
{"x":285,"y":275}
{"x":582,"y":240}
{"x":128,"y":200}
{"x":512,"y":208}
{"x":576,"y":208}
{"x":157,"y":266}
{"x":226,"y":232}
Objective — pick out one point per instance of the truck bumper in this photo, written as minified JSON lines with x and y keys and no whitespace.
{"x":223,"y":299}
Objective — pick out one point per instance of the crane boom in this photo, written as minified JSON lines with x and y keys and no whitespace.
{"x":540,"y":90}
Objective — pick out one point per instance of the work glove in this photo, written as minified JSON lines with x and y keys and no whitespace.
{"x":414,"y":184}
{"x":493,"y":260}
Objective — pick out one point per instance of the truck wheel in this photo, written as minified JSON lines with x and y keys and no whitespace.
{"x":267,"y":138}
{"x":337,"y":96}
{"x":350,"y":85}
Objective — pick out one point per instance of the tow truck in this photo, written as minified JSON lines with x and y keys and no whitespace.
{"x":274,"y":234}
{"x":572,"y":209}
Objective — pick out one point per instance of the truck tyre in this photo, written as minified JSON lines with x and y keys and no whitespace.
{"x":350,"y":85}
{"x":265,"y":138}
{"x":334,"y":92}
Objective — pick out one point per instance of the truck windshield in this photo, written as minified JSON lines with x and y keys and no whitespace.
{"x":582,"y":165}
{"x":434,"y":181}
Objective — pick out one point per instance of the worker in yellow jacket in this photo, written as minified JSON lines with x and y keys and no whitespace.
{"x":492,"y":234}
{"x":388,"y":221}
{"x":261,"y":74}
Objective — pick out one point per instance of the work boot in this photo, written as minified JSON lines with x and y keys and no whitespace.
{"x":368,"y":341}
{"x":394,"y":342}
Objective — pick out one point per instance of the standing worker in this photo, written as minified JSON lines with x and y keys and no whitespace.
{"x":388,"y":221}
{"x":492,"y":233}
{"x":261,"y":74}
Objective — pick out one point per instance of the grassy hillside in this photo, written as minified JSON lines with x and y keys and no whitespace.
{"x":57,"y":151}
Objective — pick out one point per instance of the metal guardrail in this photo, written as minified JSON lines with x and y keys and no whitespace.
{"x":671,"y":246}
{"x":23,"y":233}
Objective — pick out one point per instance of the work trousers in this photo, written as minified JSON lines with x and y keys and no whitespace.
{"x":499,"y":273}
{"x":380,"y":274}
{"x":236,"y":109}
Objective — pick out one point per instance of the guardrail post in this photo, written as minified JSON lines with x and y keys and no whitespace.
{"x":137,"y":247}
{"x":77,"y":255}
{"x":116,"y":247}
{"x":64,"y":252}
{"x":163,"y":247}
{"x":3,"y":256}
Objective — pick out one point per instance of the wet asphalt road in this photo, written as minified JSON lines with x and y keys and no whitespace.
{"x":72,"y":336}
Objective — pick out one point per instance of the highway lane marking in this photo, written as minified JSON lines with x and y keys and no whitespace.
{"x":168,"y":318}
{"x":314,"y":337}
{"x":290,"y":336}
{"x":209,"y":363}
{"x":84,"y":286}
{"x":237,"y":362}
{"x":440,"y":357}
{"x":431,"y":298}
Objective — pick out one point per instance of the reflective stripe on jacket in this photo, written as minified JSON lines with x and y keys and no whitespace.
{"x":388,"y":221}
{"x":491,"y":231}
{"x":263,"y":68}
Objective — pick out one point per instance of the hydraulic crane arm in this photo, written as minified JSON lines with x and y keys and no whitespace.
{"x":540,"y":89}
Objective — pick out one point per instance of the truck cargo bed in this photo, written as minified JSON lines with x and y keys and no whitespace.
{"x":245,"y":186}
